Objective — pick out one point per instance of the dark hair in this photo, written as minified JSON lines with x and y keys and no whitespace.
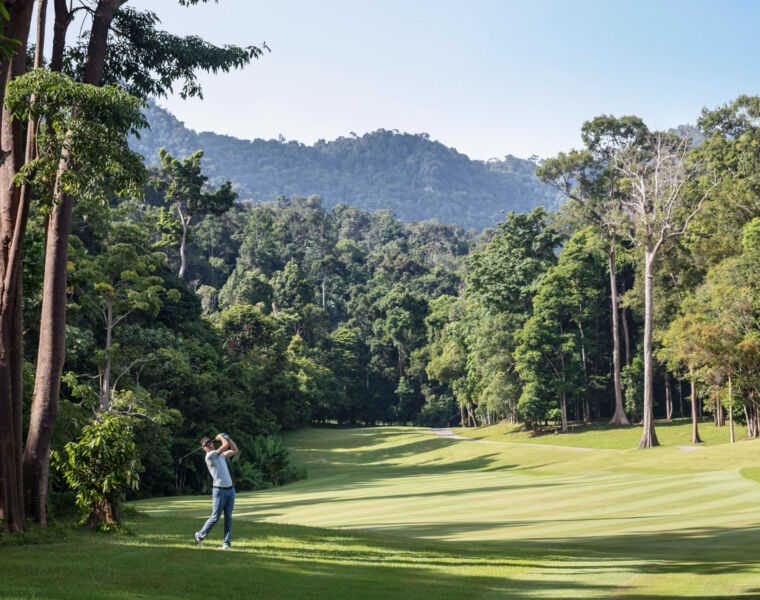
{"x":205,"y":441}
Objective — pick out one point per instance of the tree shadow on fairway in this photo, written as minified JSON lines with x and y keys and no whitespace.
{"x":354,"y":475}
{"x":376,"y":449}
{"x":273,"y":562}
{"x":291,"y":562}
{"x":699,"y":551}
{"x":258,"y":508}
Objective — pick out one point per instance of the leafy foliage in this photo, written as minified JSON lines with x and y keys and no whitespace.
{"x":100,"y":466}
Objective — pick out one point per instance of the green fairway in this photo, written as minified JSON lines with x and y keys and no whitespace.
{"x":401,"y":513}
{"x":669,"y":433}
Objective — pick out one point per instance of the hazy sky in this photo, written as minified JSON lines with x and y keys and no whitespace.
{"x":487,"y":77}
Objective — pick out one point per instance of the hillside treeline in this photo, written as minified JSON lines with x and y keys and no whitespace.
{"x":635,"y":299}
{"x":414,"y":176}
{"x":288,"y":314}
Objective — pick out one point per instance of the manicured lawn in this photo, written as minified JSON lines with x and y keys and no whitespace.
{"x":400,"y":513}
{"x":669,"y":433}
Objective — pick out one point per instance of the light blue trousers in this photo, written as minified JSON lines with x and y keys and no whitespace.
{"x":223,"y":501}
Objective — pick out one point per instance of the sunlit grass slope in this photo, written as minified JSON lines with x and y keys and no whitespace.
{"x":673,"y":433}
{"x":401,"y":513}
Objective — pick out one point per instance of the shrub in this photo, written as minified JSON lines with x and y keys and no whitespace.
{"x":99,"y":466}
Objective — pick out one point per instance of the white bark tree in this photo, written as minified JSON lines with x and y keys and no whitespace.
{"x":657,"y":204}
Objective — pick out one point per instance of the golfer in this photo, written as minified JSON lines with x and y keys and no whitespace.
{"x":224,"y":492}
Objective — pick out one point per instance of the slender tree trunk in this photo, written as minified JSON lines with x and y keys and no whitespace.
{"x":324,"y":292}
{"x":668,"y":399}
{"x":619,"y":417}
{"x":626,"y":336}
{"x":563,"y":409}
{"x":695,"y":439}
{"x":719,"y":416}
{"x":586,"y":405}
{"x":182,"y":254}
{"x":749,"y":422}
{"x":649,"y":437}
{"x":13,"y":213}
{"x":25,"y":199}
{"x":105,"y":380}
{"x":731,"y":409}
{"x":680,"y":398}
{"x":751,"y":414}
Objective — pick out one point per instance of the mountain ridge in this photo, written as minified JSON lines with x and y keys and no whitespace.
{"x":416,"y":177}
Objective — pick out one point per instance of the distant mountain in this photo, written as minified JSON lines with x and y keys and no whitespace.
{"x":409,"y":173}
{"x":690,"y":131}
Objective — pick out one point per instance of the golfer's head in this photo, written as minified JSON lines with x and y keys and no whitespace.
{"x":207,"y":443}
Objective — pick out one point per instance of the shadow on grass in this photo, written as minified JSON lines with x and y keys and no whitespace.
{"x":279,"y":507}
{"x":279,"y":561}
{"x":604,"y":427}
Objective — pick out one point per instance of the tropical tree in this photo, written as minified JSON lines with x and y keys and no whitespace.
{"x":120,"y":280}
{"x":92,"y":124}
{"x":589,"y":179}
{"x":182,"y":185}
{"x":656,"y":206}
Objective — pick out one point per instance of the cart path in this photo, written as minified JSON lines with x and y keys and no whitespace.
{"x":445,"y":432}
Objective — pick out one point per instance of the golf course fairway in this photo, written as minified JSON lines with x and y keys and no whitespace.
{"x":403,"y":513}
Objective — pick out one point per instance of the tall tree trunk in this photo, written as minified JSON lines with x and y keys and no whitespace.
{"x":749,"y":422}
{"x":324,"y":292}
{"x":586,"y":405}
{"x":52,"y":343}
{"x":626,"y":336}
{"x":563,"y":410}
{"x":50,"y":355}
{"x":680,"y":398}
{"x":471,"y":421}
{"x":96,"y":49}
{"x":750,"y":414}
{"x":182,"y":247}
{"x":63,"y":18}
{"x":695,"y":439}
{"x":105,"y":380}
{"x":719,"y":416}
{"x":668,"y":399}
{"x":13,"y":212}
{"x":619,"y":418}
{"x":648,"y":437}
{"x":731,"y":409}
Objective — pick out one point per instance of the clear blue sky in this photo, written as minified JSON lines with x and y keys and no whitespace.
{"x":487,"y":77}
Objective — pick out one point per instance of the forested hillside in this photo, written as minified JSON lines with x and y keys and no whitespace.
{"x":412,"y":175}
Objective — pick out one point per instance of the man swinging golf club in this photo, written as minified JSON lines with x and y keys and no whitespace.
{"x":224,"y":493}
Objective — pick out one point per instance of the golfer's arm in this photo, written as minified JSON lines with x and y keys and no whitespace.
{"x":225,"y":445}
{"x":233,"y":449}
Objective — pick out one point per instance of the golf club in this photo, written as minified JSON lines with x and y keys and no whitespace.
{"x":188,"y":454}
{"x":224,"y":435}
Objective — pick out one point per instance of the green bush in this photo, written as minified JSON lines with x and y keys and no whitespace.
{"x":99,"y":466}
